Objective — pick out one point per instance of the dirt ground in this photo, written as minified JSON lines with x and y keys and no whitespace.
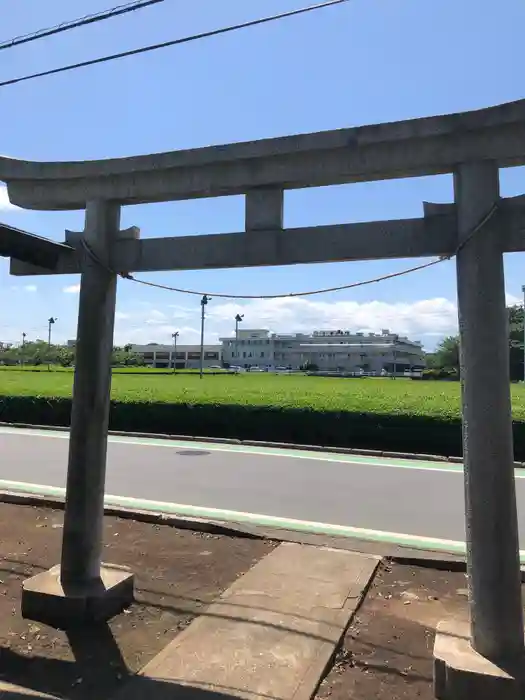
{"x":387,"y":651}
{"x":178,"y":572}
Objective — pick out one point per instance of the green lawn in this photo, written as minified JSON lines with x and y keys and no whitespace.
{"x":379,"y":396}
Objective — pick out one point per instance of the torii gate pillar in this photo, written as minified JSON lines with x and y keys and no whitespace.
{"x":486,"y":660}
{"x":81,"y":589}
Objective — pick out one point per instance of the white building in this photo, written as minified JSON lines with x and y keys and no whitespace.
{"x":188,"y":356}
{"x":330,"y":350}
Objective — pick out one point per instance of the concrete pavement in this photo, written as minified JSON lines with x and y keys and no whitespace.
{"x":387,"y":496}
{"x":270,"y":635}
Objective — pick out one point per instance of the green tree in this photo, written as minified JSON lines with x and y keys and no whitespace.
{"x":447,"y":353}
{"x":34,"y":353}
{"x":65,"y":356}
{"x":431,"y":360}
{"x":126,"y":357}
{"x":8,"y":355}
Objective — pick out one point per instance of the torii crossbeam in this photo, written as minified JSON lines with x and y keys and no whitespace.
{"x":32,"y":249}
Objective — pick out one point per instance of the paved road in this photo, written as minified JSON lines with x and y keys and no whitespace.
{"x":414,"y":498}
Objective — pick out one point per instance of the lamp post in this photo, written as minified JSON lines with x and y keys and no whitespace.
{"x":238,"y":319}
{"x":205,"y":299}
{"x":394,"y":353}
{"x":175,"y":336}
{"x":523,"y":290}
{"x":23,"y":348}
{"x":50,"y":322}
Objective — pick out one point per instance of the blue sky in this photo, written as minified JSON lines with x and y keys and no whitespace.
{"x":365,"y":61}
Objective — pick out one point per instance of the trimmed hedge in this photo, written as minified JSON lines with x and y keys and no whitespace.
{"x":449,"y":374}
{"x":402,"y":433}
{"x":301,"y":426}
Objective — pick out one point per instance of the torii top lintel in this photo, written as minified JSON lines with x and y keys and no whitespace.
{"x":415,"y":147}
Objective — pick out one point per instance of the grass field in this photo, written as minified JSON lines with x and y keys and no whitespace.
{"x":377,"y":414}
{"x":439,"y":400}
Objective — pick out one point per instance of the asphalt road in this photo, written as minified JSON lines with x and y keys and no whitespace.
{"x":413,"y":498}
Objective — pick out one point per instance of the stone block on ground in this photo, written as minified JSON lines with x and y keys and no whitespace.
{"x":461,"y":673}
{"x":45,"y":599}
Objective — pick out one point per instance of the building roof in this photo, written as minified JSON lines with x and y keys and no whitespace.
{"x":170,"y":348}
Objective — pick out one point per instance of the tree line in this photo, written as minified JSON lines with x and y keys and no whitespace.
{"x":39,"y":352}
{"x":445,"y":359}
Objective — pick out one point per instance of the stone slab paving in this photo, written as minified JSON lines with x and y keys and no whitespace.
{"x":270,"y":635}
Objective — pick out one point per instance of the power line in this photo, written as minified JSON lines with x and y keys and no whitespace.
{"x":173,"y":42}
{"x":82,"y":21}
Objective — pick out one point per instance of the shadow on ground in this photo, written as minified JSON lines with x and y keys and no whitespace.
{"x":95,"y":653}
{"x":96,"y":656}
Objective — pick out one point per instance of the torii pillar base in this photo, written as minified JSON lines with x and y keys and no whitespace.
{"x":461,"y":673}
{"x":46,"y":599}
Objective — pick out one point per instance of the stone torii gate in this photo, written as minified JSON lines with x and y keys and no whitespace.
{"x":478,"y":228}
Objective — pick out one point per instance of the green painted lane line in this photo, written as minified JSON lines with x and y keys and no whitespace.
{"x":449,"y":467}
{"x":248,"y":449}
{"x":261,"y":451}
{"x":229,"y":516}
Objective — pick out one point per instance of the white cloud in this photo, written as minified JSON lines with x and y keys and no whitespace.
{"x":5,"y":204}
{"x":181,"y":311}
{"x":141,"y":335}
{"x":512,"y":300}
{"x":427,"y":320}
{"x":156,"y":318}
{"x":415,"y":319}
{"x":24,"y":288}
{"x":72,"y":289}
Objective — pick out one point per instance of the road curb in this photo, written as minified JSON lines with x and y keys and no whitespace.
{"x":183,"y":523}
{"x":402,"y":554}
{"x":261,"y":443}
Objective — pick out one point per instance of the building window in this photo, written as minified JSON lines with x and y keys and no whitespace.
{"x":211,"y":355}
{"x":262,"y":354}
{"x":244,"y":355}
{"x":194,"y":356}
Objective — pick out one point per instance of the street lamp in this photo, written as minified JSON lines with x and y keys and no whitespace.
{"x":394,"y":353}
{"x":238,"y":319}
{"x":205,"y":299}
{"x":175,"y":336}
{"x":523,"y":290}
{"x":50,"y":322}
{"x":23,"y":348}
